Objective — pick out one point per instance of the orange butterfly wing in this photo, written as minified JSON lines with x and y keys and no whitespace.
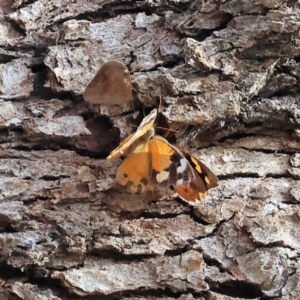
{"x":133,"y":173}
{"x":190,"y":178}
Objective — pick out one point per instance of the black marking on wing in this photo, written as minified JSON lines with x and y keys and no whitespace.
{"x":205,"y":174}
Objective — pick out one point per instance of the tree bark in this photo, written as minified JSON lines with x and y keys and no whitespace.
{"x":228,"y":74}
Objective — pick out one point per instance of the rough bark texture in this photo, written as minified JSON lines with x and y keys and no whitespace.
{"x":228,"y":72}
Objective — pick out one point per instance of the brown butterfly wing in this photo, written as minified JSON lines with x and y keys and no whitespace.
{"x":111,"y":85}
{"x":203,"y":180}
{"x":208,"y":177}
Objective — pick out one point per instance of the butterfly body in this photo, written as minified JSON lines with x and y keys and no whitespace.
{"x":151,"y":161}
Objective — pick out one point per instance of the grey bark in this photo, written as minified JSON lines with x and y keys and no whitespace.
{"x":228,"y":73}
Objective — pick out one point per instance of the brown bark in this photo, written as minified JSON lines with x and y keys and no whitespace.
{"x":228,"y":72}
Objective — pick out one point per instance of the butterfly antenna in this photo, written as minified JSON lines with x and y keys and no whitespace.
{"x":170,"y":129}
{"x":160,"y":109}
{"x":167,"y":129}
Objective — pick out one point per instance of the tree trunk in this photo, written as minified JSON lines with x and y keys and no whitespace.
{"x":228,"y":74}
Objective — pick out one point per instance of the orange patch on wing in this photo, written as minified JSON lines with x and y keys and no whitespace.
{"x":134,"y":172}
{"x":161,"y":152}
{"x":197,"y":165}
{"x":189,"y":194}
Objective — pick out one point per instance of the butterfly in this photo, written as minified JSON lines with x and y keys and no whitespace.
{"x":111,"y":85}
{"x":151,"y":161}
